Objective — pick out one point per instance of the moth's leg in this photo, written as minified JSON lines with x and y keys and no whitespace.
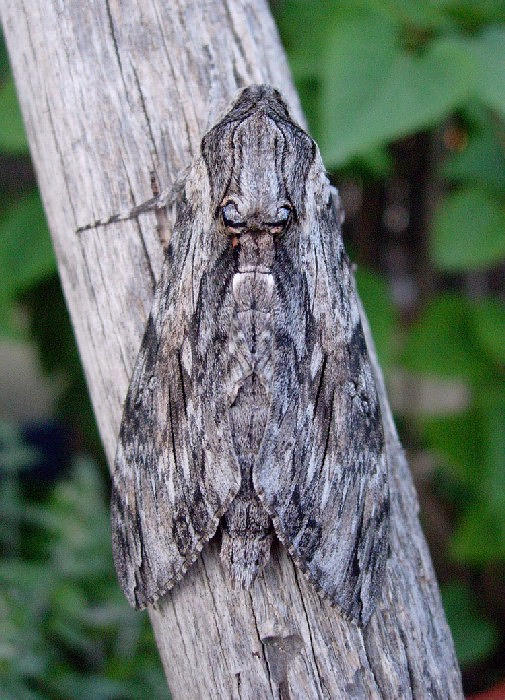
{"x":162,"y":203}
{"x":125,"y":215}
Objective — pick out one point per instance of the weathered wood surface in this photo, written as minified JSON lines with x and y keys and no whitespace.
{"x":113,"y":92}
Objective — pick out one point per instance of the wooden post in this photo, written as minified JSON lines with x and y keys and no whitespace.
{"x":114,"y":93}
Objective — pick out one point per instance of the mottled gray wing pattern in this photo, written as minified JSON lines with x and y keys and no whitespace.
{"x":321,"y":471}
{"x":175,"y":469}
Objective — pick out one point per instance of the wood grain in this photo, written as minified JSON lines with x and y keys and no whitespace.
{"x":115,"y":93}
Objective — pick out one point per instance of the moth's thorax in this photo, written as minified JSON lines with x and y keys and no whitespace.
{"x":255,"y":251}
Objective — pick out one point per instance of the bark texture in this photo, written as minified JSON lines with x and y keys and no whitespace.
{"x":116,"y":95}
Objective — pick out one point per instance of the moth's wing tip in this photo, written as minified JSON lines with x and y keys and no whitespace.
{"x":139,"y":598}
{"x":360,"y":617}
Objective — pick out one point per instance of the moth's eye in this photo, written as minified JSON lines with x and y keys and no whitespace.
{"x":282,"y":219}
{"x":231,"y":217}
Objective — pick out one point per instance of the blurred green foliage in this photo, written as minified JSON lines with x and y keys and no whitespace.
{"x":369,"y":74}
{"x":26,"y":254}
{"x":66,"y":630}
{"x":12,"y":139}
{"x":463,"y":339}
{"x":474,"y":636}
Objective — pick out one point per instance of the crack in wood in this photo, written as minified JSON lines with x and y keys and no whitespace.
{"x":144,"y":109}
{"x":115,"y":43}
{"x":307,"y":621}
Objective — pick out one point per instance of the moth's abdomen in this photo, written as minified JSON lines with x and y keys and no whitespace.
{"x":247,"y":538}
{"x":251,"y":339}
{"x":246,"y":526}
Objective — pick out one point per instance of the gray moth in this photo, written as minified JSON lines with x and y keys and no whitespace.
{"x":252,"y":409}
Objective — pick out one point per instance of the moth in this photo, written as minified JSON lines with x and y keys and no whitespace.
{"x":252,"y":407}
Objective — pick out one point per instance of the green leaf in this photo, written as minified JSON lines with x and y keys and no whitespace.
{"x":308,"y":89}
{"x":489,"y":50}
{"x":422,"y":14}
{"x":12,"y":131}
{"x":471,"y":15}
{"x":26,"y":257}
{"x":357,"y":54}
{"x":472,"y":448}
{"x":26,"y":253}
{"x":490,"y":399}
{"x":475,"y":638}
{"x":458,"y":441}
{"x":479,"y":537}
{"x":442,"y":342}
{"x":374,"y":92}
{"x":376,"y":297}
{"x":468,"y":231}
{"x":482,"y":161}
{"x":375,"y":163}
{"x":488,"y":319}
{"x":303,"y":27}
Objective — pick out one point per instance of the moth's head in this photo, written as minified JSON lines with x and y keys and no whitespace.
{"x":256,"y":200}
{"x":257,"y":160}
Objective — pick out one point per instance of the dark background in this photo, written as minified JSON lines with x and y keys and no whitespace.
{"x":407,"y":101}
